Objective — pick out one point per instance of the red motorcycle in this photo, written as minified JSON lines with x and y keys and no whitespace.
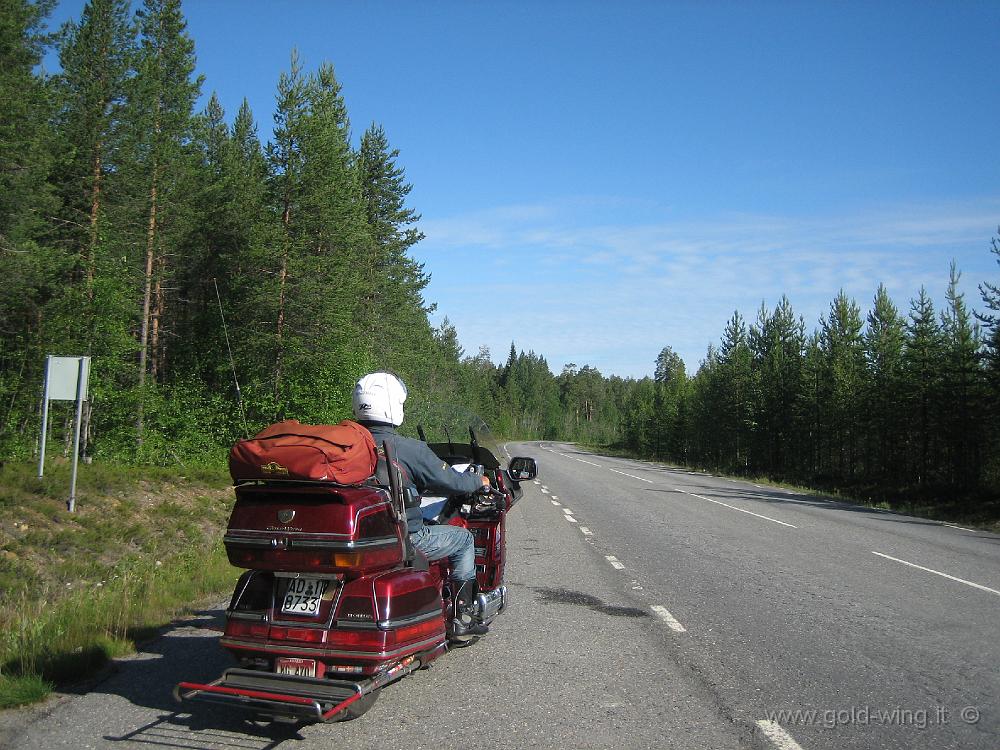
{"x":336,"y":604}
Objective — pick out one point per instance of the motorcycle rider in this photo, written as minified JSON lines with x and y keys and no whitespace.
{"x":378,"y":405}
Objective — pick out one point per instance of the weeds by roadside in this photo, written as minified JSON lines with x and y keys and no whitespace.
{"x":79,"y":589}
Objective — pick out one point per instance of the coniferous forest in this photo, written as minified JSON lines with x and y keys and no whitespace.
{"x":156,"y":239}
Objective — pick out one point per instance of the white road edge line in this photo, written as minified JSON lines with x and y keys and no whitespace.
{"x":588,"y":462}
{"x":615,"y":562}
{"x":668,"y":618}
{"x":939,"y":573}
{"x":960,"y":528}
{"x":633,"y":476}
{"x":733,"y":507}
{"x":774,"y":732}
{"x":585,"y":531}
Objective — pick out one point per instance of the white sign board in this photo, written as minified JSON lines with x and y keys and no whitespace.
{"x":62,"y":378}
{"x":65,"y":380}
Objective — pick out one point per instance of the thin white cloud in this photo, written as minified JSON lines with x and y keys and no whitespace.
{"x":613,"y":294}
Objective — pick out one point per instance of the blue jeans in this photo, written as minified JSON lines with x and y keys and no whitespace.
{"x":452,"y":542}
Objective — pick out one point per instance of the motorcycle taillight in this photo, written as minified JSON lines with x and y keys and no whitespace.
{"x":368,"y":640}
{"x":375,"y":523}
{"x":236,"y":628}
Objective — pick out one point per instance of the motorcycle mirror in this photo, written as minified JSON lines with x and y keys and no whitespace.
{"x":522,"y":468}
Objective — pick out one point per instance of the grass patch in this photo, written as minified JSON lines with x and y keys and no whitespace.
{"x":80,"y":589}
{"x":19,"y":691}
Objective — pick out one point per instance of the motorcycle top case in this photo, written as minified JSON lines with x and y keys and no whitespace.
{"x":317,"y":527}
{"x":343,"y":453}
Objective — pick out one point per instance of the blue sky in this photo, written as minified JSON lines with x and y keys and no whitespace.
{"x":625,"y":175}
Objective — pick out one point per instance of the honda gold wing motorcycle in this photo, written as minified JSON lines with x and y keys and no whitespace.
{"x":335,"y":603}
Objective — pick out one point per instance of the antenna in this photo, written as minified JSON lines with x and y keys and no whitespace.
{"x":232,"y":362}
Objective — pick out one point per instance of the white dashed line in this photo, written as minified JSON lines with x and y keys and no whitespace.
{"x":544,"y":491}
{"x":570,"y":518}
{"x":588,"y":462}
{"x":781,"y":739}
{"x":567,"y":511}
{"x":535,"y":482}
{"x":960,"y":528}
{"x":733,"y":507}
{"x":555,"y":503}
{"x":555,"y":497}
{"x":632,"y":476}
{"x":615,"y":562}
{"x":585,"y":531}
{"x":668,"y":618}
{"x":939,"y":573}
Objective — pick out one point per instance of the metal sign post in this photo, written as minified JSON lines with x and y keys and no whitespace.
{"x":66,"y":379}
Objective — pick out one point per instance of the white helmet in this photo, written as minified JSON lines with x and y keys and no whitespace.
{"x":379,"y":397}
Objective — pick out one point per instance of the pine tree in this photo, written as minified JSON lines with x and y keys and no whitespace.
{"x":161,"y":100}
{"x":844,"y":374}
{"x":392,"y":306}
{"x":812,"y":408}
{"x":34,"y":269}
{"x":961,"y":387}
{"x":883,"y":342}
{"x":286,"y":161}
{"x":736,"y":382}
{"x":923,"y":356}
{"x":990,"y":294}
{"x":95,"y":56}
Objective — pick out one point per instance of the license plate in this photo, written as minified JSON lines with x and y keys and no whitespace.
{"x":303,"y":596}
{"x":297,"y":667}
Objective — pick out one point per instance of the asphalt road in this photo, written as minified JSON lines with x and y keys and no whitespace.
{"x":650,"y":608}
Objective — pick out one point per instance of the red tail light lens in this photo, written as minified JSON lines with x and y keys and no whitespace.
{"x":235,"y":628}
{"x":373,"y":640}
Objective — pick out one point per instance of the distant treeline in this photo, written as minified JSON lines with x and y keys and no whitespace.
{"x":901,"y":406}
{"x":131,"y":224}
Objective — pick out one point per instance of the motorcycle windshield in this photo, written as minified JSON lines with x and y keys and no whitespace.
{"x":459,"y":436}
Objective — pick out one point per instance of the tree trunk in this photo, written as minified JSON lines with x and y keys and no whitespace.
{"x":282,"y":280}
{"x":95,"y":207}
{"x":146,"y":300}
{"x":156,"y":346}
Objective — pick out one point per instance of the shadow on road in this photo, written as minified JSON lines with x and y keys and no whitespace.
{"x":189,"y":651}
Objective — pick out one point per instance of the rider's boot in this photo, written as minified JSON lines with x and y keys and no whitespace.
{"x":463,"y":625}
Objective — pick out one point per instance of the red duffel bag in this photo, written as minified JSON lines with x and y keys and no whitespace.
{"x":342,"y":453}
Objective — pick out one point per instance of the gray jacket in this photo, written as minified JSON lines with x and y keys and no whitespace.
{"x":427,"y":473}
